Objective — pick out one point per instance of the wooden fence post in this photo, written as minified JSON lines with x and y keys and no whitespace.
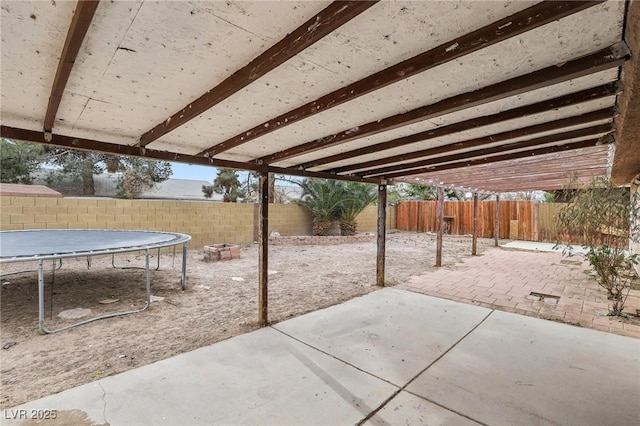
{"x":440,"y":226}
{"x":496,"y":229}
{"x":474,"y":244}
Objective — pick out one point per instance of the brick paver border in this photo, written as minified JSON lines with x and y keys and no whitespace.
{"x":503,"y":279}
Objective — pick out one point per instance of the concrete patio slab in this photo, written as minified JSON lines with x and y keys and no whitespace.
{"x":389,"y":333}
{"x":520,"y":370}
{"x":262,"y":377}
{"x":540,"y":246}
{"x":408,"y":409}
{"x":469,"y":365}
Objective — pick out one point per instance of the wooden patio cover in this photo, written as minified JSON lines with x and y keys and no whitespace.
{"x":486,"y":95}
{"x":369,"y":91}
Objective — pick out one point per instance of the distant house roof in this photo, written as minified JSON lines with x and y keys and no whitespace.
{"x":183,"y":189}
{"x":174,"y":189}
{"x":105,"y":185}
{"x":18,"y":190}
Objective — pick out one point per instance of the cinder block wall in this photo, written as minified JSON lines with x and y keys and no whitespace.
{"x":289,"y":219}
{"x":207,"y":222}
{"x":368,"y":219}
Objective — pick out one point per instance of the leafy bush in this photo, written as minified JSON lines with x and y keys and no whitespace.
{"x":601,"y":214}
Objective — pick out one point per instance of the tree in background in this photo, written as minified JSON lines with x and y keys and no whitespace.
{"x":138,"y":174}
{"x":549,"y":197}
{"x":141,"y":175}
{"x":276,"y":195}
{"x":79,"y":166}
{"x":227,"y":183}
{"x":413,"y":191}
{"x":420,"y":192}
{"x":18,"y":161}
{"x":207,"y":190}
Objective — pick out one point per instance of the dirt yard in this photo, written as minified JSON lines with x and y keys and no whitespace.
{"x":220,"y":302}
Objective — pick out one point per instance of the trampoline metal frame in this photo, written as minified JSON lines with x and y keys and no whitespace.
{"x":40,"y":258}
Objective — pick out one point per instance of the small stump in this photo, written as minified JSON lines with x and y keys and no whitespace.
{"x":216,"y":252}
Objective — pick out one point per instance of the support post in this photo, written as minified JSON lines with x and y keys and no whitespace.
{"x":496,"y":228}
{"x":440,"y":226}
{"x":263,"y":250}
{"x":382,"y":233}
{"x":474,"y":245}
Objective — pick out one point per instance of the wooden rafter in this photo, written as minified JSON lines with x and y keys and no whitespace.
{"x":518,"y":23}
{"x":541,"y":164}
{"x":136,"y":151}
{"x":547,"y":105}
{"x":603,"y":114}
{"x":82,"y":16}
{"x":520,"y":112}
{"x":328,"y":20}
{"x":496,"y":158}
{"x":526,"y":144}
{"x":523,"y":171}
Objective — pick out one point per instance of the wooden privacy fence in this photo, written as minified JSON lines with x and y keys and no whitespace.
{"x":522,"y":220}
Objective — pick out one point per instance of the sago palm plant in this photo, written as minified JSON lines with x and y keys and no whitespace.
{"x":323,"y":198}
{"x":355,"y":198}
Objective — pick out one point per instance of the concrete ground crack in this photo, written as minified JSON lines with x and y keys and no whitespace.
{"x":104,"y":406}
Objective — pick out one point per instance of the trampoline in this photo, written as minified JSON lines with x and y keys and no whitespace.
{"x":39,"y":245}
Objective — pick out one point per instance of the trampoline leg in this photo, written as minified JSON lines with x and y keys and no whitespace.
{"x":45,"y":330}
{"x":41,"y":296}
{"x":148,"y":276}
{"x":183,"y":280}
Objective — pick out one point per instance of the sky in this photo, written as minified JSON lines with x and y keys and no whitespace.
{"x":192,"y":172}
{"x":187,"y":171}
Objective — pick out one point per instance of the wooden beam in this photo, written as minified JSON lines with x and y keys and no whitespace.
{"x":516,"y":24}
{"x":440,"y":226}
{"x":496,"y":158}
{"x":320,"y":175}
{"x":382,"y":233}
{"x":606,"y":58}
{"x":474,"y":243}
{"x":529,"y":143}
{"x":625,"y":163}
{"x":82,"y":16}
{"x":135,"y":151}
{"x":534,"y":167}
{"x":603,"y":114}
{"x":263,"y":251}
{"x":524,"y":111}
{"x":496,"y":228}
{"x":328,"y":20}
